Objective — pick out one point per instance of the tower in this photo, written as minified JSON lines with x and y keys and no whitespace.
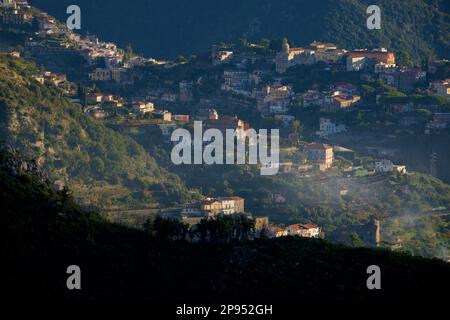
{"x":285,"y":46}
{"x":433,"y":159}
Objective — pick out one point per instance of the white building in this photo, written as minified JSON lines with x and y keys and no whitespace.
{"x":328,"y":127}
{"x":388,"y":166}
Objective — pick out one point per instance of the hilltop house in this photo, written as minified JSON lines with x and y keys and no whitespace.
{"x":385,"y":165}
{"x":441,"y":87}
{"x":304,"y":230}
{"x":274,"y":97}
{"x":360,"y":59}
{"x":211,"y":207}
{"x":320,"y":154}
{"x":277,"y":232}
{"x":327,"y":127}
{"x":143,"y":107}
{"x":94,"y":98}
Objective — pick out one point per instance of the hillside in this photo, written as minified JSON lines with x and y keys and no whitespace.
{"x":101,"y":166}
{"x":47,"y":230}
{"x":165,"y":29}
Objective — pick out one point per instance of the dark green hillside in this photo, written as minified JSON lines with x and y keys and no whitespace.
{"x":100,"y":165}
{"x":44,"y":231}
{"x":168,"y":28}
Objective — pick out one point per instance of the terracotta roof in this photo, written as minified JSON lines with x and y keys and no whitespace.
{"x":231,"y":198}
{"x":317,"y":146}
{"x":309,"y":226}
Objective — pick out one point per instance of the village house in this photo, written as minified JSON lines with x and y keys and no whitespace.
{"x":261,"y":223}
{"x":304,"y":230}
{"x":327,"y":52}
{"x":239,"y":82}
{"x":315,"y":52}
{"x":143,"y":107}
{"x":232,"y":205}
{"x":385,"y":165}
{"x":212,"y":207}
{"x":340,"y":102}
{"x":102,"y":74}
{"x":225,"y":123}
{"x":186,"y":91}
{"x":406,"y":78}
{"x":277,"y":232}
{"x":191,"y":209}
{"x":360,"y":59}
{"x":327,"y":127}
{"x":441,"y":87}
{"x":55,"y":78}
{"x":94,"y":98}
{"x":40,"y":79}
{"x":275,"y":98}
{"x":220,"y":55}
{"x":164,"y":115}
{"x":181,"y":117}
{"x":320,"y":154}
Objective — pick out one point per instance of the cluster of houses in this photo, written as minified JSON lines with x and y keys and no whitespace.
{"x":210,"y":208}
{"x":302,"y":230}
{"x":15,"y":13}
{"x":50,"y":77}
{"x":315,"y":52}
{"x":330,"y":54}
{"x":339,"y":96}
{"x":52,"y":37}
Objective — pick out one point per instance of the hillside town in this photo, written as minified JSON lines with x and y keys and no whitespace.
{"x":240,"y":87}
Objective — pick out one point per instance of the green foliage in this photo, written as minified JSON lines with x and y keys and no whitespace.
{"x":47,"y":230}
{"x":102,"y":166}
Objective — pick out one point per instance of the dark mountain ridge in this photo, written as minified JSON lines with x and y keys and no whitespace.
{"x":166,"y":29}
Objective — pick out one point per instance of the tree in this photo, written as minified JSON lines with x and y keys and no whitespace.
{"x":297,"y":126}
{"x":169,"y":229}
{"x":355,"y":240}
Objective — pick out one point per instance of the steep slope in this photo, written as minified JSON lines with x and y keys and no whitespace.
{"x":44,"y":231}
{"x":100,"y":165}
{"x":169,"y":28}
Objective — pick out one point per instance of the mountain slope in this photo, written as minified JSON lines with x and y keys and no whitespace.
{"x":45,"y":229}
{"x":169,"y":28}
{"x":100,"y":165}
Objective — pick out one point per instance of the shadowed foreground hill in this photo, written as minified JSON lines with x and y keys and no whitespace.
{"x":44,"y":231}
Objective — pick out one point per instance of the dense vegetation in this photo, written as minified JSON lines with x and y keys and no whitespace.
{"x":100,"y":165}
{"x":414,"y":28}
{"x":317,"y":199}
{"x":44,"y":232}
